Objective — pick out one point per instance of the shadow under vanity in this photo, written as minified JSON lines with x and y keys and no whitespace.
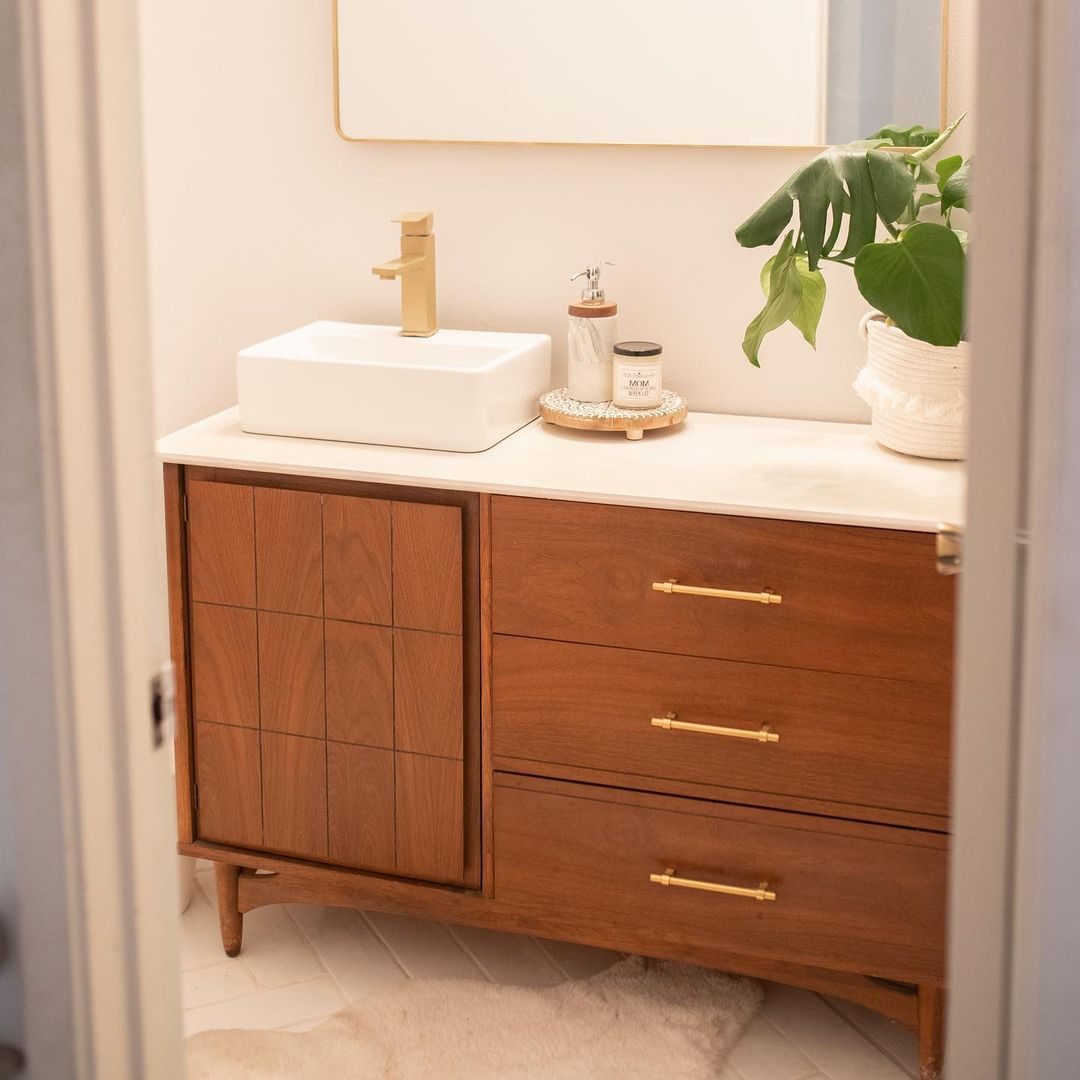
{"x":699,"y":711}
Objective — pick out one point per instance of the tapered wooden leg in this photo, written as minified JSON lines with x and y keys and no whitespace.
{"x":931,"y":1032}
{"x":229,"y":916}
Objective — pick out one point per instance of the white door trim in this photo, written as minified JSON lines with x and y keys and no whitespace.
{"x":1044,"y":1034}
{"x":112,"y":785}
{"x":1014,"y":937}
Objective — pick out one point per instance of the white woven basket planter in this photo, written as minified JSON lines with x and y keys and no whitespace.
{"x":917,"y":393}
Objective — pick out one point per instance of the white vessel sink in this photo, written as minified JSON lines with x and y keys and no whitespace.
{"x":459,"y":390}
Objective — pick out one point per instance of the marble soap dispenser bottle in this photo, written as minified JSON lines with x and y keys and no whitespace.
{"x":591,"y":341}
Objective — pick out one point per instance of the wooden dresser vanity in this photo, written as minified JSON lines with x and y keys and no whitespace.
{"x":675,"y":724}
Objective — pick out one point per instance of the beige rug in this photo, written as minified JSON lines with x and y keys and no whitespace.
{"x":639,"y":1020}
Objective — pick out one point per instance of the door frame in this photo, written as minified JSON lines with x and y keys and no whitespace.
{"x":1015,"y":758}
{"x":1015,"y":867}
{"x":96,"y":826}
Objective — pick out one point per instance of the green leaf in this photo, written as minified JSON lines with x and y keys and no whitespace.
{"x":765,"y":225}
{"x":782,"y":298}
{"x":956,"y":192}
{"x":945,"y":168}
{"x":819,"y":189}
{"x":895,"y":135}
{"x":793,"y":293}
{"x":807,"y":314}
{"x":833,"y":184}
{"x":862,"y":211}
{"x":918,"y":282}
{"x":894,"y":185}
{"x":925,"y":153}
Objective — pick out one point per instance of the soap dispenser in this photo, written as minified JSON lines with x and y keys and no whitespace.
{"x":591,"y":340}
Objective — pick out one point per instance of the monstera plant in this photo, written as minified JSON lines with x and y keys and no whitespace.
{"x":844,"y":198}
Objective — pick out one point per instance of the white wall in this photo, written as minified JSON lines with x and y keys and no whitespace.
{"x":261,"y":219}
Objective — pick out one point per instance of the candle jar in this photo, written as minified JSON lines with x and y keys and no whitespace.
{"x":637,"y":376}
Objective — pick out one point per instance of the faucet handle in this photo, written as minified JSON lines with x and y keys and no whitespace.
{"x":415,"y":222}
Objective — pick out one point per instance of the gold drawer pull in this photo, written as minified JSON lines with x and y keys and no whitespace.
{"x":670,"y":723}
{"x":762,"y":892}
{"x":763,"y":597}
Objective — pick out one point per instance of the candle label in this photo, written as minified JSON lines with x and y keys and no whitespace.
{"x":638,"y":385}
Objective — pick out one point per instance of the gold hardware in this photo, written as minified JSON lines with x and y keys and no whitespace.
{"x":670,"y":723}
{"x":672,"y":586}
{"x":950,"y":542}
{"x":416,"y":268}
{"x":762,"y":892}
{"x":415,"y":222}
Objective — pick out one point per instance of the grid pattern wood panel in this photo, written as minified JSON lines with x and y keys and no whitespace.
{"x":331,"y":665}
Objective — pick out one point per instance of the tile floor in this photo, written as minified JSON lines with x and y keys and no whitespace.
{"x":301,"y":963}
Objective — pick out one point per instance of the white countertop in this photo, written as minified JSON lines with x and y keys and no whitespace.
{"x":798,"y":470}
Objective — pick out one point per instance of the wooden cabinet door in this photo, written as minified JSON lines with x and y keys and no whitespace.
{"x":328,"y":674}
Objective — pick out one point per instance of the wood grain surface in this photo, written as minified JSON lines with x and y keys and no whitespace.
{"x":304,"y":659}
{"x":360,"y":804}
{"x":228,"y":776}
{"x":292,"y":680}
{"x":356,"y":559}
{"x":845,"y":738}
{"x":870,"y":903}
{"x":176,"y":568}
{"x":221,"y":543}
{"x":225,"y":659}
{"x":862,"y":601}
{"x":427,"y":567}
{"x":360,"y":684}
{"x":288,"y":539}
{"x":428,"y":693}
{"x":294,"y":795}
{"x":429,"y":818}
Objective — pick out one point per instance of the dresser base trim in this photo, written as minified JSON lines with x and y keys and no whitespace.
{"x":290,"y":881}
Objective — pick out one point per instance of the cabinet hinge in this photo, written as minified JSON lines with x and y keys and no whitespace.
{"x":194,"y":796}
{"x":185,"y":509}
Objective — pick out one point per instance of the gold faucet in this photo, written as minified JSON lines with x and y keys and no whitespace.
{"x":416,"y":268}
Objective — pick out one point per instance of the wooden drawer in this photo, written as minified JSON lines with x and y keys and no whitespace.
{"x":863,"y":601}
{"x":842,"y":738}
{"x":861,"y":898}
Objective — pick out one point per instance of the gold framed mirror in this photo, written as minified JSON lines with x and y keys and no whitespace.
{"x":689,"y":73}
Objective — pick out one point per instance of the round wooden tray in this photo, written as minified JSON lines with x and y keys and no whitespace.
{"x":559,"y":408}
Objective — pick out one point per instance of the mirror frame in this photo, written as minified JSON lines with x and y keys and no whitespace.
{"x":943,"y":119}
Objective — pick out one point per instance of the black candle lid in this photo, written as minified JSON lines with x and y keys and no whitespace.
{"x":638,"y":348}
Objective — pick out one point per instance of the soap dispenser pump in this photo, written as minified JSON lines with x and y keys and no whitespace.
{"x":591,"y":339}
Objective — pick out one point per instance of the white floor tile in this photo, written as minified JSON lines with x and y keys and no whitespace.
{"x":204,"y":880}
{"x":274,"y":950}
{"x":218,"y":982}
{"x":424,"y":949}
{"x":277,"y":1008}
{"x":894,"y":1039}
{"x":509,"y":959}
{"x":200,"y":940}
{"x":349,"y":950}
{"x":763,"y":1053}
{"x":578,"y":961}
{"x":834,"y":1046}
